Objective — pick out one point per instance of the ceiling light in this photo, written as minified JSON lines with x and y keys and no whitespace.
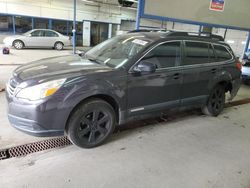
{"x":132,"y":8}
{"x":230,"y":41}
{"x":133,"y":1}
{"x":88,"y":1}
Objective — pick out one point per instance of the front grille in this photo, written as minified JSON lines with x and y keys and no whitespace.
{"x":11,"y":87}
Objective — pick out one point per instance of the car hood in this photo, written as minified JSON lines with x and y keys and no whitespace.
{"x":13,"y":37}
{"x":69,"y":65}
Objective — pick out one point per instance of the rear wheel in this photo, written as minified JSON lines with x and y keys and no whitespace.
{"x":216,"y":101}
{"x":58,"y":46}
{"x":91,"y":124}
{"x":18,"y":44}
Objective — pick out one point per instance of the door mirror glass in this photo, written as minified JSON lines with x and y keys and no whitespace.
{"x":81,"y":53}
{"x":145,"y":67}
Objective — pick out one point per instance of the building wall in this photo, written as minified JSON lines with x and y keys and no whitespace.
{"x":63,"y":9}
{"x":108,"y":12}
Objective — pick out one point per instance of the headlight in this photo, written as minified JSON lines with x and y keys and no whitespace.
{"x":40,"y":91}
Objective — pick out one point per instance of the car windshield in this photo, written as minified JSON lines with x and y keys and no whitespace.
{"x":116,"y":51}
{"x":26,"y":33}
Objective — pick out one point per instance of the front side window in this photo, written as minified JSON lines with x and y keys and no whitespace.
{"x":116,"y":51}
{"x":37,"y":33}
{"x":196,"y":53}
{"x":165,"y":55}
{"x":222,"y":53}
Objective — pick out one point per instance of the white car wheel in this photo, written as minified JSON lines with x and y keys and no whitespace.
{"x":18,"y":44}
{"x":59,"y":46}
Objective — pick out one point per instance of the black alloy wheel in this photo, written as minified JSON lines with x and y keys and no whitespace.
{"x":91,"y":124}
{"x":216,"y":101}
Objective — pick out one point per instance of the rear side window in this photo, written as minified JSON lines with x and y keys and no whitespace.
{"x":165,"y":55}
{"x":50,"y":34}
{"x":196,"y":53}
{"x":222,"y":53}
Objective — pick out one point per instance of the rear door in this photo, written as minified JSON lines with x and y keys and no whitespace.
{"x":197,"y":71}
{"x":50,"y":37}
{"x":159,"y":90}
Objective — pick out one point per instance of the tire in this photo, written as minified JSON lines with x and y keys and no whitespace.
{"x":18,"y":44}
{"x":216,"y":101}
{"x":58,"y":46}
{"x":91,"y":124}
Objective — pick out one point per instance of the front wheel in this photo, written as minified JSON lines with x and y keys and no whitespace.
{"x":18,"y":44}
{"x":91,"y":123}
{"x":216,"y":101}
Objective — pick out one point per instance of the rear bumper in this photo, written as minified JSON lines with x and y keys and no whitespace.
{"x":235,"y":88}
{"x":32,"y":127}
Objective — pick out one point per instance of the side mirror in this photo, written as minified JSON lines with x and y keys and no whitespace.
{"x":145,"y":67}
{"x":80,"y":53}
{"x":29,"y":35}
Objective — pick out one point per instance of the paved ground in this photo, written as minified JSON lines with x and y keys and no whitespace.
{"x":192,"y":152}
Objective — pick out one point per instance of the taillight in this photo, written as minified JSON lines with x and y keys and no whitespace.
{"x":238,"y":65}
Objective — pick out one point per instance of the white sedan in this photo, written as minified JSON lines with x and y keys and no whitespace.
{"x":38,"y":38}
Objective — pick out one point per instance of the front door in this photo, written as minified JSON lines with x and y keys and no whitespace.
{"x":160,"y":90}
{"x":36,"y":39}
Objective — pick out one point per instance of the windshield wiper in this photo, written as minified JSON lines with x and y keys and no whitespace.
{"x":94,"y":60}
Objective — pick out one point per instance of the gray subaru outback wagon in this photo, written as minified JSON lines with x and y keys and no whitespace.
{"x":128,"y":77}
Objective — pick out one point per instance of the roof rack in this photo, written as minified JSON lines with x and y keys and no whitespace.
{"x":147,"y":30}
{"x":182,"y":34}
{"x":194,"y":34}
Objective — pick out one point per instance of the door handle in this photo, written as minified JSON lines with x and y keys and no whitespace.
{"x":213,"y":70}
{"x":176,"y":76}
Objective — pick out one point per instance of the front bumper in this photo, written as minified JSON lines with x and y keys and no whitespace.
{"x":32,"y":127}
{"x":37,"y":118}
{"x":8,"y":42}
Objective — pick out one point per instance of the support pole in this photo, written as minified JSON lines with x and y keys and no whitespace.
{"x":225,"y":34}
{"x":200,"y":29}
{"x":32,"y":23}
{"x":138,"y":15}
{"x":74,"y":29}
{"x":13,"y":24}
{"x":247,"y":43}
{"x":50,"y":24}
